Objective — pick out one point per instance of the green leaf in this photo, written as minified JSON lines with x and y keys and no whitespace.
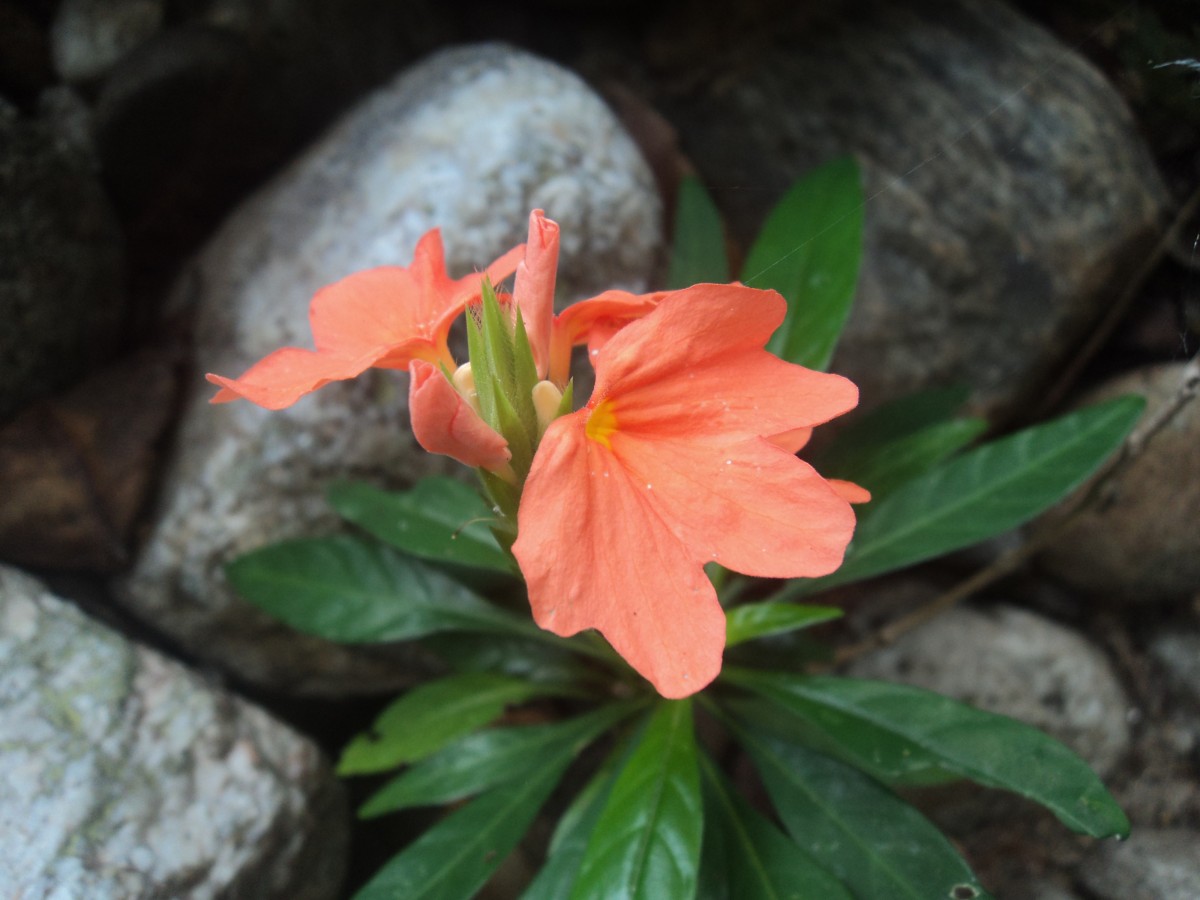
{"x":429,"y":717}
{"x":755,"y":620}
{"x":869,"y":839}
{"x":438,"y":519}
{"x":982,"y":493}
{"x":861,"y":431}
{"x":744,"y":855}
{"x":489,"y":758}
{"x":546,"y":658}
{"x":888,"y":466}
{"x":698,"y":252}
{"x":809,"y":250}
{"x":570,"y":840}
{"x":454,"y":859}
{"x":884,"y":447}
{"x":896,"y":731}
{"x":347,"y":589}
{"x":646,"y":843}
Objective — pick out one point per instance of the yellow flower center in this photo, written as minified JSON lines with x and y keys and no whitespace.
{"x":601,"y":423}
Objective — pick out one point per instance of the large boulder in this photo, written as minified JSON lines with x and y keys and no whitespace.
{"x":469,"y":141}
{"x":123,"y":775}
{"x":1007,"y":186}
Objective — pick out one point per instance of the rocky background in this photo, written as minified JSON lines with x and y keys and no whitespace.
{"x":178,"y":176}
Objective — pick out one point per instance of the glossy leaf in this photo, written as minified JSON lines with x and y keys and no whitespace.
{"x":698,"y":252}
{"x":438,"y":519}
{"x":454,"y":859}
{"x":489,"y":758}
{"x":899,"y":461}
{"x":745,"y":855}
{"x":809,"y":250}
{"x":546,"y":658}
{"x":355,"y":591}
{"x":646,"y":843}
{"x":982,"y":493}
{"x":897,"y":731}
{"x":870,"y":840}
{"x":429,"y":717}
{"x":861,"y":431}
{"x":755,"y":620}
{"x":570,"y":840}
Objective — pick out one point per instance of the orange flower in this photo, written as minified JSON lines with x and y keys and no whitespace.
{"x":384,"y":317}
{"x":672,"y":465}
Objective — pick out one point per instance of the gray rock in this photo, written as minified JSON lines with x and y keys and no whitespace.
{"x":122,"y":775}
{"x":1142,"y":543}
{"x":1015,"y":663}
{"x":1007,"y":185}
{"x":89,"y":36}
{"x":61,"y":260}
{"x":1151,"y":865}
{"x":1179,"y":653}
{"x":469,"y":141}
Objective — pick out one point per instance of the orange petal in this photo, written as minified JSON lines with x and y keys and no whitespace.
{"x":534,"y":287}
{"x":595,"y":554}
{"x":380,"y":311}
{"x":792,"y":441}
{"x":697,"y":367}
{"x":849,"y":491}
{"x":280,"y":379}
{"x":752,"y":507}
{"x":593,"y":322}
{"x":443,"y":422}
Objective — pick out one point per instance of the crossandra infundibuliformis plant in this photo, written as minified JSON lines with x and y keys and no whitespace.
{"x":662,"y":532}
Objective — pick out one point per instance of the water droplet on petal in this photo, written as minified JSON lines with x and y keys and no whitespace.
{"x":729,"y":462}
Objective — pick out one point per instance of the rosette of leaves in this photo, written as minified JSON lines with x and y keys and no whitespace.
{"x":654,"y":813}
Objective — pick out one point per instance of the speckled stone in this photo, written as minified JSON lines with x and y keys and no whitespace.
{"x":1018,"y":664}
{"x":124,"y":776}
{"x":470,"y":141}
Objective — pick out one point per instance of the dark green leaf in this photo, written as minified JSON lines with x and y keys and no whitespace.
{"x":809,"y":251}
{"x":982,"y":493}
{"x":898,"y":731}
{"x":646,"y":844}
{"x":356,"y":591}
{"x":570,"y":840}
{"x":870,"y":840}
{"x":861,"y":431}
{"x":489,"y":758}
{"x":456,"y":857}
{"x":755,"y":620}
{"x":429,"y":717}
{"x":546,"y":659}
{"x":698,"y":253}
{"x":898,"y":765}
{"x":749,"y":856}
{"x":438,"y":519}
{"x":887,"y":466}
